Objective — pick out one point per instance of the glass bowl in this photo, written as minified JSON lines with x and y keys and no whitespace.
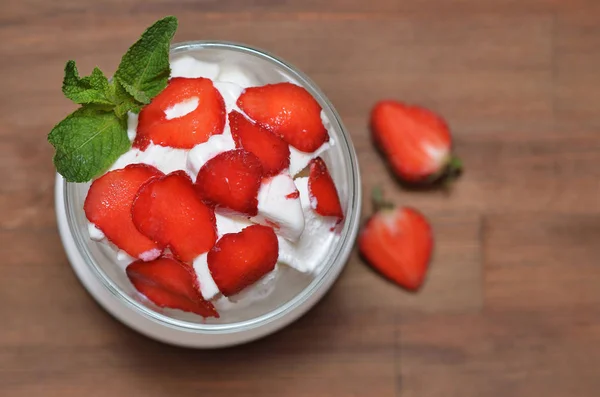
{"x":294,"y":293}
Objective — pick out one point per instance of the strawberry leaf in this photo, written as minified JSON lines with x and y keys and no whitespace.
{"x":88,"y":142}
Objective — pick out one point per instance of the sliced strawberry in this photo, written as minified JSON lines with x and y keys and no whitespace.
{"x":170,"y":283}
{"x":169,"y":211}
{"x":398,"y":243}
{"x":186,"y":131}
{"x":108,"y":206}
{"x":272,"y":151}
{"x":231,"y":180}
{"x":416,"y":141}
{"x":238,"y":260}
{"x":293,"y":195}
{"x":323,"y":195}
{"x":286,"y":110}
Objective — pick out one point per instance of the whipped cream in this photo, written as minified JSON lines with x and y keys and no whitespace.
{"x":283,"y":202}
{"x":230,"y":73}
{"x":257,"y":292}
{"x":279,"y":206}
{"x":203,"y":152}
{"x":187,"y":66}
{"x":95,"y":233}
{"x":230,"y":93}
{"x":208,"y":287}
{"x":165,"y":159}
{"x":182,"y":108}
{"x":299,"y":160}
{"x":316,"y":238}
{"x":225,"y":225}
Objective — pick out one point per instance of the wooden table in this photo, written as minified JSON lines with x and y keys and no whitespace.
{"x":512,"y":304}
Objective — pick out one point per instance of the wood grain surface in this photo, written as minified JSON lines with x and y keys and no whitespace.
{"x":512,"y":304}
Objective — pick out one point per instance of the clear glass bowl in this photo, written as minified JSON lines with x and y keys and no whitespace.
{"x":294,"y":293}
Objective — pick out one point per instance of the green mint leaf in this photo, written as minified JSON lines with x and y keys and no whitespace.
{"x":137,"y":95}
{"x":91,"y":139}
{"x":124,"y":102}
{"x":88,"y":142}
{"x":144,"y":70}
{"x":93,"y":89}
{"x":123,"y":108}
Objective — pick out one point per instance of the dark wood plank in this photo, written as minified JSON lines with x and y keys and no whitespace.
{"x":489,"y":73}
{"x":577,"y":61}
{"x":23,"y":11}
{"x":454,"y":281}
{"x":509,"y":172}
{"x":542,"y":262}
{"x":517,"y":354}
{"x":309,"y":358}
{"x":357,"y":363}
{"x":510,"y":304}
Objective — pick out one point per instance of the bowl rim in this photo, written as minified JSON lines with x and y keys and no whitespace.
{"x":338,"y":259}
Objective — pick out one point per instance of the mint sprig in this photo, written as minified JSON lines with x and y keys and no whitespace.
{"x":144,"y":69}
{"x":125,"y":102}
{"x":94,"y":89}
{"x":91,"y":139}
{"x":87,"y":142}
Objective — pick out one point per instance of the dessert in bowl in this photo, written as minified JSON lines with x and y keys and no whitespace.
{"x":233,"y":233}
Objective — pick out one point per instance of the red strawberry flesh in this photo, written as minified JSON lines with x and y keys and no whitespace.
{"x":272,"y":151}
{"x":287,"y":110}
{"x":293,"y":195}
{"x":169,"y":211}
{"x":169,"y":283}
{"x":398,"y":243}
{"x":238,"y":260}
{"x":415,"y":140}
{"x":231,"y":180}
{"x":186,"y":131}
{"x":108,"y":206}
{"x":323,"y":195}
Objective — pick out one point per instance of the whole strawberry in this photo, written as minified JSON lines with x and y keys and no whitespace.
{"x":416,"y":142}
{"x":397,"y":242}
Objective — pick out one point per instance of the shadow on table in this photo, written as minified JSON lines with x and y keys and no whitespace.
{"x":287,"y":354}
{"x":343,"y":346}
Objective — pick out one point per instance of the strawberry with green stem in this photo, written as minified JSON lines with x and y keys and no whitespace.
{"x":415,"y":141}
{"x":397,"y":242}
